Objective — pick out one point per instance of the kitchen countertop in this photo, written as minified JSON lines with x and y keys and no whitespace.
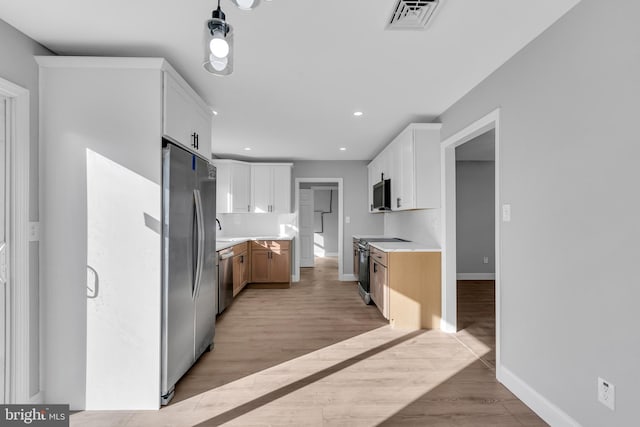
{"x":406,"y":246}
{"x":227,"y":242}
{"x":370,"y":236}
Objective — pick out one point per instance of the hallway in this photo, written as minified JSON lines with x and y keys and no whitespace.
{"x":315,"y":355}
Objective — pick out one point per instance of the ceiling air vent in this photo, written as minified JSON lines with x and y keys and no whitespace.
{"x":412,"y":14}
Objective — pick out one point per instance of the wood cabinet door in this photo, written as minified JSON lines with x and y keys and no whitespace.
{"x":280,"y":266}
{"x":383,"y":288}
{"x":237,"y":274}
{"x":260,"y":266}
{"x":378,"y":287}
{"x":246,"y":269}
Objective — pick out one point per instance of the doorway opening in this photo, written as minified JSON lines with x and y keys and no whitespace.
{"x":475,"y":245}
{"x":471,"y":256}
{"x":319,"y":204}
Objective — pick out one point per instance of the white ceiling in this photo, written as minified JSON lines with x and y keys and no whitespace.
{"x":302,"y":67}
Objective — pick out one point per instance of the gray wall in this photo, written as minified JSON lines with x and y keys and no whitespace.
{"x":355,"y":179}
{"x":475,"y":216}
{"x":18,"y":66}
{"x":326,"y":218}
{"x":569,"y":150}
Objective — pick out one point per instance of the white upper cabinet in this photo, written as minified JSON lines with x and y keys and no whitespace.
{"x":187,"y":120}
{"x":271,"y":188}
{"x":233,"y":188}
{"x":281,"y":189}
{"x":261,"y":188}
{"x":412,"y":162}
{"x":241,"y":187}
{"x":253,"y":187}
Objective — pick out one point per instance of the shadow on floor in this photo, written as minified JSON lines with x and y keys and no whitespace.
{"x":297,"y":385}
{"x":266,"y":327}
{"x":471,"y":397}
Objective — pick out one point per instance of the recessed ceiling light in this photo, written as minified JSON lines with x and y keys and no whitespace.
{"x":215,"y":113}
{"x":247,"y":148}
{"x":343,"y":149}
{"x":358,"y":113}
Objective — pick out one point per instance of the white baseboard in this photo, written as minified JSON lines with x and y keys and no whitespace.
{"x":330,"y":254}
{"x":546,"y":410}
{"x":348,"y":278}
{"x":447,"y":327}
{"x":476,"y":276}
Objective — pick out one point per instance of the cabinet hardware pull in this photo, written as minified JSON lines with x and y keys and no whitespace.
{"x":248,"y":208}
{"x":375,"y":267}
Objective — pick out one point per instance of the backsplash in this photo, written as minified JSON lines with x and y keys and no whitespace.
{"x":256,"y":224}
{"x":421,"y":225}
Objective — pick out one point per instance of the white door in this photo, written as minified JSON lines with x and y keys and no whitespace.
{"x":4,"y":256}
{"x":306,"y":228}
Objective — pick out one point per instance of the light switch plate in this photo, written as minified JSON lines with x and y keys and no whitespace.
{"x":347,"y":220}
{"x":34,"y":231}
{"x":506,"y":213}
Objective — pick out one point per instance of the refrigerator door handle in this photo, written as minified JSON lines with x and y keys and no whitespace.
{"x":200,"y":229}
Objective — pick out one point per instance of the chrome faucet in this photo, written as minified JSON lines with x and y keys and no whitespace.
{"x":219,"y":226}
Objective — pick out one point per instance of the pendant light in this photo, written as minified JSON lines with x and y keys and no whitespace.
{"x":218,"y":46}
{"x":246,"y":4}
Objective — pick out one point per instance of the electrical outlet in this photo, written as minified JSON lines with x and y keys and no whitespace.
{"x":607,"y":394}
{"x":347,"y":219}
{"x":485,"y":260}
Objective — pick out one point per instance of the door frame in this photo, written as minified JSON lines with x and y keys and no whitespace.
{"x":299,"y":230}
{"x":298,"y":181}
{"x":18,"y":291}
{"x":448,"y":179}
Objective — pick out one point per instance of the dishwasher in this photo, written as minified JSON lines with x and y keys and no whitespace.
{"x":225,"y":279}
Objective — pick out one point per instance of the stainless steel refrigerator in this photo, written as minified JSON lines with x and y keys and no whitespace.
{"x":188,"y":262}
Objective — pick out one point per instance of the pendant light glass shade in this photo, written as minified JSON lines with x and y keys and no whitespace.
{"x":218,"y":45}
{"x":246,"y":4}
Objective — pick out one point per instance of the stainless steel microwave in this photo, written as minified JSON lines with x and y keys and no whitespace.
{"x":382,"y":195}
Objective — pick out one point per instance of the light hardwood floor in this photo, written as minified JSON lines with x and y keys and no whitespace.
{"x":477,"y":318}
{"x":315,"y":355}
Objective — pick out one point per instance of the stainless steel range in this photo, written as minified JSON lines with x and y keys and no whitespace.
{"x":363,"y":255}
